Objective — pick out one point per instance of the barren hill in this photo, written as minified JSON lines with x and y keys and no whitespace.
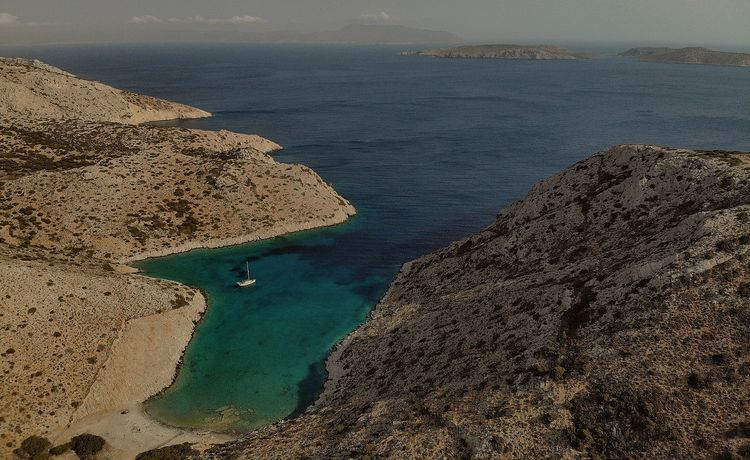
{"x":143,"y":191}
{"x":606,"y":315}
{"x":82,"y":190}
{"x":34,"y":90}
{"x":692,"y":55}
{"x":543,"y":52}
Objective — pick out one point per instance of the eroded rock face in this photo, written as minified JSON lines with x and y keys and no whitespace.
{"x":606,"y":315}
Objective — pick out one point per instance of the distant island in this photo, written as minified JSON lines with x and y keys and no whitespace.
{"x":691,"y":55}
{"x":541,"y":52}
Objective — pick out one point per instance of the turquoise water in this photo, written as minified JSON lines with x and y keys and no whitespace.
{"x":428,"y":150}
{"x":259,"y":354}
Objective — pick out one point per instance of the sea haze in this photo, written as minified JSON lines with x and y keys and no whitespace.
{"x":428,"y":150}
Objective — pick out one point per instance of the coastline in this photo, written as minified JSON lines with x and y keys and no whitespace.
{"x":118,"y":414}
{"x":118,"y":340}
{"x":115,"y":411}
{"x":339,"y":217}
{"x":333,"y":367}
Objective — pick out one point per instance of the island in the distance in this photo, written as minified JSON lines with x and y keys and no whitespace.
{"x":541,"y":52}
{"x":690,"y":55}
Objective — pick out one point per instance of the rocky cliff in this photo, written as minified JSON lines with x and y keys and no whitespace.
{"x":544,"y":52}
{"x":606,"y":315}
{"x":692,"y":55}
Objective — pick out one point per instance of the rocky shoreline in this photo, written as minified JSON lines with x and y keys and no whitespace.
{"x":337,"y":218}
{"x":85,"y":190}
{"x":589,"y":320}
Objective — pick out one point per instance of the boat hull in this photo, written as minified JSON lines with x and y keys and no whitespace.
{"x":245,"y":283}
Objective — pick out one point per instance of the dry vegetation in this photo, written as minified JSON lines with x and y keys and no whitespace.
{"x":607,"y":315}
{"x":82,"y":192}
{"x":141,"y":190}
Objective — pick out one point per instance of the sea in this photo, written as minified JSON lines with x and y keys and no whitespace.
{"x":428,"y":151}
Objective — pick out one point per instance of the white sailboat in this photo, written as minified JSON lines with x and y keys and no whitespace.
{"x":248,"y":281}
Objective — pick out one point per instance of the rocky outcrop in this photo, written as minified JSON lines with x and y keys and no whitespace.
{"x":84,"y":190}
{"x":544,"y":52}
{"x":606,"y":315}
{"x":692,"y":55}
{"x":33,"y":90}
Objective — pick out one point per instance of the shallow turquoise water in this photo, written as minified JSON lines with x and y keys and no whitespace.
{"x":259,"y":353}
{"x":428,"y":151}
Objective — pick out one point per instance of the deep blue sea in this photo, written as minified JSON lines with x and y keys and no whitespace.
{"x":428,"y":151}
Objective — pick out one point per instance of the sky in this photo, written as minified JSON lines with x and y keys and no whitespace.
{"x":684,"y":22}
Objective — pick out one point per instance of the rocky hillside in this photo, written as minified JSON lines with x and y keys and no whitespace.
{"x":544,"y":52}
{"x":693,"y":55}
{"x":83,"y":190}
{"x":606,"y":315}
{"x":34,"y":90}
{"x":144,"y":191}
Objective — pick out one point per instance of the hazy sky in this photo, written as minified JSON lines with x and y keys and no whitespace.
{"x":710,"y":22}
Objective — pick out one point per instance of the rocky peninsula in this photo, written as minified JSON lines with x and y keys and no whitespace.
{"x":606,"y":315}
{"x":85,"y":189}
{"x":541,"y":52}
{"x":33,"y":90}
{"x":692,"y":55}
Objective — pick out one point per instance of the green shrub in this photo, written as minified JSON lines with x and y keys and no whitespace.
{"x":33,"y":447}
{"x":86,"y":445}
{"x":744,"y":290}
{"x":175,"y":452}
{"x":60,"y":449}
{"x":697,"y":380}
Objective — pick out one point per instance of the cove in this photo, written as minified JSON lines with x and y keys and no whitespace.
{"x":427,"y":150}
{"x":259,"y":353}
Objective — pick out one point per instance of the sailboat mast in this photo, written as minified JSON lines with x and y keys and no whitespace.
{"x":247,"y":265}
